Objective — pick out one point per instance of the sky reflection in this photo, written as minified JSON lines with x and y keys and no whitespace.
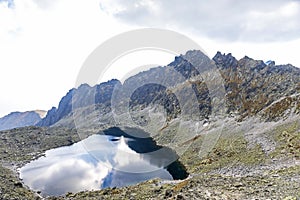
{"x":109,"y":163}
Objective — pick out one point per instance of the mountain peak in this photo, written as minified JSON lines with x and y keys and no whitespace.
{"x":226,"y":60}
{"x":193,"y":53}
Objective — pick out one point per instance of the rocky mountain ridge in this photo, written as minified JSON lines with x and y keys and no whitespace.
{"x":251,"y":88}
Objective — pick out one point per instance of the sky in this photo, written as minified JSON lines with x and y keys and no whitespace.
{"x":43,"y":43}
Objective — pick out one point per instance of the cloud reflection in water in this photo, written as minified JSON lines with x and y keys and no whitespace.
{"x":73,"y":169}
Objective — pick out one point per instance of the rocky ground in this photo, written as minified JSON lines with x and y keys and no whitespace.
{"x":18,"y":147}
{"x":266,"y":166}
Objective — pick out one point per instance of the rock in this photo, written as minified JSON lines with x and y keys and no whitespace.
{"x":18,"y":184}
{"x":168,"y":193}
{"x":157,"y":190}
{"x":238,"y":185}
{"x":290,"y":198}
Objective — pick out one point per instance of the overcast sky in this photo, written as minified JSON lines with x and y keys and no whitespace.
{"x":43,"y":43}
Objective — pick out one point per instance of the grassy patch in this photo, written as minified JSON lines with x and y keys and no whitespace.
{"x":229,"y":151}
{"x":288,"y":138}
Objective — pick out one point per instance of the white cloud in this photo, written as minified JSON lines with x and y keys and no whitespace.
{"x":69,"y":175}
{"x":128,"y":161}
{"x":45,"y":4}
{"x":280,"y":24}
{"x":228,"y":20}
{"x":260,"y":29}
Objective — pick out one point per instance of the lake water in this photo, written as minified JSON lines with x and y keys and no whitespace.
{"x":110,"y":159}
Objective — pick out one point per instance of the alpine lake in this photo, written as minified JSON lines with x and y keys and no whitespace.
{"x":112,"y":158}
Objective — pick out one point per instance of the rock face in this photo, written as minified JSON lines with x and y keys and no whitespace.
{"x":21,"y":119}
{"x":252,"y":86}
{"x":84,"y":96}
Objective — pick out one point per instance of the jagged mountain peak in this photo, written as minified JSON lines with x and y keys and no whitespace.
{"x":225,"y":60}
{"x":189,"y":56}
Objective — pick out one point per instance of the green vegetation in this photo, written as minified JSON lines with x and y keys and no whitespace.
{"x":229,"y":152}
{"x":288,"y":138}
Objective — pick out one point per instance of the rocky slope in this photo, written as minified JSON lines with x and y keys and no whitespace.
{"x":253,"y":87}
{"x":237,"y":168}
{"x":21,"y":119}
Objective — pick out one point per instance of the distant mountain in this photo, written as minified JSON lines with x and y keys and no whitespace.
{"x":21,"y":119}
